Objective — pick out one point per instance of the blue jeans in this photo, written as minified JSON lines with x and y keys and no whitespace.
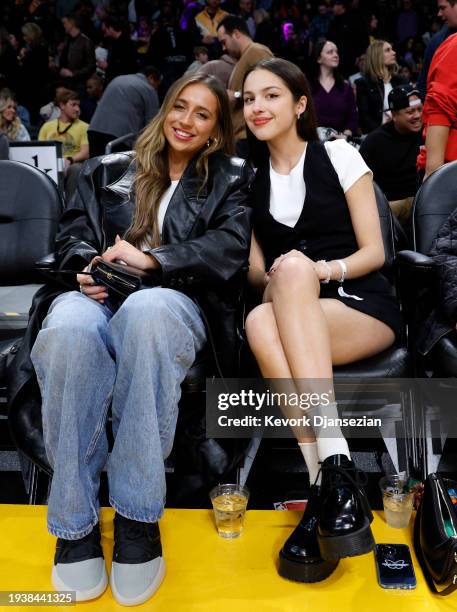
{"x":86,"y":358}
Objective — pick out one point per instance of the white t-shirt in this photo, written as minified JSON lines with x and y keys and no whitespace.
{"x":165,"y":200}
{"x":288,"y":191}
{"x":386,"y":114}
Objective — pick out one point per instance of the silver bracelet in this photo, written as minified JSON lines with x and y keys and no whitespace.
{"x":329,"y":271}
{"x":344,"y":269}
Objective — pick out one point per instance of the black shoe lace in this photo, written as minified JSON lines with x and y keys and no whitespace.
{"x":136,"y":542}
{"x":72,"y":551}
{"x":338,"y":474}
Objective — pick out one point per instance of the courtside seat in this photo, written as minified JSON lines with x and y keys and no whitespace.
{"x":30,"y":207}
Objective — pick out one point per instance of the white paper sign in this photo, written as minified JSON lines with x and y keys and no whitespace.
{"x":47,"y":156}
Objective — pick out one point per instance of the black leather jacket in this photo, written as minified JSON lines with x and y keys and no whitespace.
{"x":443,"y":319}
{"x":206,"y":239}
{"x":370,"y":101}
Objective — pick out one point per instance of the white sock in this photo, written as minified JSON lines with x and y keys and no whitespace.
{"x":309,"y":451}
{"x":330,"y":440}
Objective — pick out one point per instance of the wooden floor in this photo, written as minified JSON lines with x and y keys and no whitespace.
{"x":205,"y":572}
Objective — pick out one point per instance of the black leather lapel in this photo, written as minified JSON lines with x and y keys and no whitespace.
{"x":124,"y":184}
{"x":184,"y":207}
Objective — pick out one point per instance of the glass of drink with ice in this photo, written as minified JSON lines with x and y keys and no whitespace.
{"x":397,"y":499}
{"x":229,"y":504}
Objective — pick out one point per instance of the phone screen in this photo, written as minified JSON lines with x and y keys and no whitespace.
{"x":394,"y":566}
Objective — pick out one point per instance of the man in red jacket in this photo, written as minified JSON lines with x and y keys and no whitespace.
{"x":440,"y":109}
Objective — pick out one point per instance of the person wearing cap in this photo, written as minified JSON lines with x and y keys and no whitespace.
{"x":440,"y":109}
{"x":391,"y":150}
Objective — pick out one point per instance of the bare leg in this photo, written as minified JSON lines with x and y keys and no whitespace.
{"x":265,"y":342}
{"x":302,"y":336}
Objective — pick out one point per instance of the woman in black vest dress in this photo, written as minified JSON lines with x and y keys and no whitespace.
{"x":315,"y":255}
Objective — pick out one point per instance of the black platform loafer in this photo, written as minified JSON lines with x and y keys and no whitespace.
{"x":300,"y":558}
{"x":344,"y":522}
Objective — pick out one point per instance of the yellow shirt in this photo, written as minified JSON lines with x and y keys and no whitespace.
{"x":208,"y":25}
{"x":71,"y":138}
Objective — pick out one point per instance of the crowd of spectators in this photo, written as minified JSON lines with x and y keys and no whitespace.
{"x":354,"y":52}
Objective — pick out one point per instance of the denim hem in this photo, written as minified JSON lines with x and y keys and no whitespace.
{"x":70,"y":535}
{"x":152,"y":517}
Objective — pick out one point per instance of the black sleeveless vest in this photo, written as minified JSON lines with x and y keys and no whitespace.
{"x":324,"y":229}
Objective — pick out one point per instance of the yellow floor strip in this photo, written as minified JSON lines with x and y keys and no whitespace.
{"x":207,"y":573}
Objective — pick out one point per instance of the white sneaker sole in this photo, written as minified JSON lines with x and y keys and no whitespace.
{"x":147,"y":594}
{"x":93,"y":593}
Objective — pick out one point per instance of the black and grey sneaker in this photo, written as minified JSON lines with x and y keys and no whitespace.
{"x":79,"y":566}
{"x":138,"y":566}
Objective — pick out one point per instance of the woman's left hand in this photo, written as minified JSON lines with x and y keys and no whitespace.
{"x":130,"y":255}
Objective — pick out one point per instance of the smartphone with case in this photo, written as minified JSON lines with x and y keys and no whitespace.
{"x":394,"y":566}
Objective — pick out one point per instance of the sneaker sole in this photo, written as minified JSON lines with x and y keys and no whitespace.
{"x":139,"y":599}
{"x":305,"y":572}
{"x":351,"y":544}
{"x":93,"y":593}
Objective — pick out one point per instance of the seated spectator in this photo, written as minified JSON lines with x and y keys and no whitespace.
{"x":333,"y":96}
{"x":292,"y":47}
{"x":379,"y":78}
{"x":169,"y":46}
{"x":264,"y":32}
{"x":221,"y":68}
{"x":51,"y":110}
{"x":207,"y":21}
{"x":128,"y":104}
{"x":348,"y":31}
{"x":391,"y":150}
{"x":122,"y":56}
{"x":8,"y":61}
{"x":440,"y":109}
{"x":201,"y":58}
{"x":94,"y":91}
{"x":320,"y":24}
{"x":34,"y":61}
{"x":10,"y":124}
{"x":77,"y":59}
{"x":246,"y":12}
{"x":93,"y":351}
{"x":72,"y":133}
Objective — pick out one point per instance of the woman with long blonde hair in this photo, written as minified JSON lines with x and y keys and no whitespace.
{"x":179,"y":203}
{"x":10,"y":124}
{"x":379,"y":78}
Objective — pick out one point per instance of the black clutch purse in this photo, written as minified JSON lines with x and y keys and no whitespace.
{"x":122,"y":279}
{"x":435,"y":534}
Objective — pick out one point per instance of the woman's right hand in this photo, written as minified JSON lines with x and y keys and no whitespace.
{"x":86,"y":285}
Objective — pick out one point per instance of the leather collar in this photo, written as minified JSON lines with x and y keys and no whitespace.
{"x":184,"y":206}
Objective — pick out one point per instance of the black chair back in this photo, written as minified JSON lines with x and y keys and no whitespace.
{"x":30,"y":208}
{"x":434,"y":202}
{"x":388,"y":234}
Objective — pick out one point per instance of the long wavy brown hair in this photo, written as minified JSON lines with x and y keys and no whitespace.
{"x":151,"y":156}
